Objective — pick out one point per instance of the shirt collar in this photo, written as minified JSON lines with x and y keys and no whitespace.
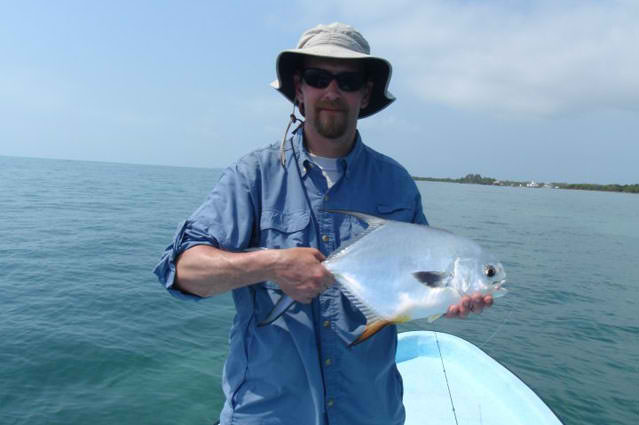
{"x":304,"y":159}
{"x":353,"y":155}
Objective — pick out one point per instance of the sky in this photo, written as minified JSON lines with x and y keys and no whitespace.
{"x":511,"y":89}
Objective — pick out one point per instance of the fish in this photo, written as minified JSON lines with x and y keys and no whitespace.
{"x":395,"y":272}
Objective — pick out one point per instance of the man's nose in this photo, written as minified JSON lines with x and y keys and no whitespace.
{"x":333,"y":88}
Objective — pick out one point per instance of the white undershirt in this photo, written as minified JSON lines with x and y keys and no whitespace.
{"x":330,"y":168}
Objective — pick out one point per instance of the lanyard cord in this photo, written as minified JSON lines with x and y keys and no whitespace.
{"x":315,"y":304}
{"x":308,"y":200}
{"x":294,"y":119}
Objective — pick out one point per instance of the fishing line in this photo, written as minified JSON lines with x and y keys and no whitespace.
{"x":483,"y":344}
{"x":446,"y":377}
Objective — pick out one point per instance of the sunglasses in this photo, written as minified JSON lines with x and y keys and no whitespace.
{"x":346,"y":81}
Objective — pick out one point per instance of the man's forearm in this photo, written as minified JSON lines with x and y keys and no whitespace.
{"x":205,"y":271}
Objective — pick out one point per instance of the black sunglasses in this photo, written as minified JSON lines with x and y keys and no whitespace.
{"x":346,"y":81}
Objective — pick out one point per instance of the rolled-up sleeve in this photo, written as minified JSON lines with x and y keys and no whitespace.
{"x":189,"y":234}
{"x":225,"y":220}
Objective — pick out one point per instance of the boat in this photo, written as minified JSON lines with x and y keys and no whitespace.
{"x":448,"y":380}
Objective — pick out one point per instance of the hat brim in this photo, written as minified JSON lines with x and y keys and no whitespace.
{"x":379,"y":71}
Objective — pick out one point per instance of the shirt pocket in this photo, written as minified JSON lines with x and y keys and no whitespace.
{"x":397,"y":212}
{"x":280,"y":230}
{"x":284,"y":229}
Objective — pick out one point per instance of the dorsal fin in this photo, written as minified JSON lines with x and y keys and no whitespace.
{"x":373,"y":224}
{"x":369,"y":219}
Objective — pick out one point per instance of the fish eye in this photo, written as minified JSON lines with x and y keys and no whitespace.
{"x":490,"y":271}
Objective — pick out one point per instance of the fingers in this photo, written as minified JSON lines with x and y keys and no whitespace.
{"x":326,"y":283}
{"x":453,"y":312}
{"x":312,"y":288}
{"x":300,"y":274}
{"x":477,"y":303}
{"x":320,"y":257}
{"x":474,"y":303}
{"x":488,"y":300}
{"x":459,"y":310}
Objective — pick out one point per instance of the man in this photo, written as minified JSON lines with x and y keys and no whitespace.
{"x":301,"y":368}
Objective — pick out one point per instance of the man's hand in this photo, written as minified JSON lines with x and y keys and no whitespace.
{"x":300,"y":273}
{"x":474,"y":303}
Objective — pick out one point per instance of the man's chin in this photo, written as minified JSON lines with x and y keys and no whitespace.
{"x":332,"y":129}
{"x":331,"y":133}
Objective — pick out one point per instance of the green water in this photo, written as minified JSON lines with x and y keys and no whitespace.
{"x":89,"y":336}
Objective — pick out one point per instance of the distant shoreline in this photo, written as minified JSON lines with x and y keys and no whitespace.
{"x":489,"y":181}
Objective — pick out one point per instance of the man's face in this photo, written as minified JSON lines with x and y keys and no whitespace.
{"x":332,"y":111}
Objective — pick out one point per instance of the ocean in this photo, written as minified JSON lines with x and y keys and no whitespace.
{"x":88,"y":335}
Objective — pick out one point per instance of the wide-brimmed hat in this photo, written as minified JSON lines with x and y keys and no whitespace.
{"x":337,"y":41}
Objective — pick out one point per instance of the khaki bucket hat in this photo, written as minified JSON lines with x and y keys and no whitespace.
{"x":338,"y":41}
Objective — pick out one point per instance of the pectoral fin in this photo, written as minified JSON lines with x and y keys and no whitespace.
{"x":432,"y":279}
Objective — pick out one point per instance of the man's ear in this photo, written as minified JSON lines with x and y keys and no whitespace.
{"x":299,"y":95}
{"x":297,"y":84}
{"x":368,"y":91}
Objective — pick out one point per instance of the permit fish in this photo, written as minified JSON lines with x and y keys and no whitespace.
{"x":396,"y":272}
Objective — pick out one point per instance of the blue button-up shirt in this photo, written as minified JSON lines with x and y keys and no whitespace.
{"x":300,"y":369}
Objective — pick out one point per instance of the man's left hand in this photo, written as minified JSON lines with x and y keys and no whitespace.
{"x":474,"y":303}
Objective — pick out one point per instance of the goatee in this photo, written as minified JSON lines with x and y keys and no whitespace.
{"x":331,"y":123}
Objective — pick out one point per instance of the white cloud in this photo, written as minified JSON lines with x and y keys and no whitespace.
{"x":389,"y":122}
{"x":542,"y":57}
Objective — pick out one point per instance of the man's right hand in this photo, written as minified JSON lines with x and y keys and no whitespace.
{"x":206,"y":271}
{"x":300,"y":273}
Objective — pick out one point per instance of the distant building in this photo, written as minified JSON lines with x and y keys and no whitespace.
{"x":532,"y":184}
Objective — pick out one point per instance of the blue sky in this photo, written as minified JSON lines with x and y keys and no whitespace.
{"x":543,"y":90}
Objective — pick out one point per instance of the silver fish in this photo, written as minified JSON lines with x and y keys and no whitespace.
{"x":395,"y":272}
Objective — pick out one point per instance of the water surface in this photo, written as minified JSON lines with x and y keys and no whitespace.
{"x":89,"y":336}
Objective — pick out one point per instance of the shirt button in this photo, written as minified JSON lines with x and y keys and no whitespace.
{"x":330,"y":402}
{"x":325,"y":238}
{"x":327,"y":323}
{"x":326,"y":197}
{"x":328,"y":362}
